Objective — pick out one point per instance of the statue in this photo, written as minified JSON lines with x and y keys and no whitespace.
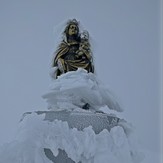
{"x":74,"y":51}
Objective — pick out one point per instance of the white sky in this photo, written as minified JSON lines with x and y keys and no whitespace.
{"x":127,"y":57}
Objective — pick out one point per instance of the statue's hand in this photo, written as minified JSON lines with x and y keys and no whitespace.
{"x":53,"y":72}
{"x":79,"y":54}
{"x":60,"y":66}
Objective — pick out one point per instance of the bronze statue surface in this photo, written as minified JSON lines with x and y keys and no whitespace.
{"x":74,"y":51}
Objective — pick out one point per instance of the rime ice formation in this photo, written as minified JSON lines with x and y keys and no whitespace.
{"x":66,"y":133}
{"x":73,"y":89}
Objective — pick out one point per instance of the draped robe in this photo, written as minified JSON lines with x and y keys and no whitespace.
{"x":67,"y":54}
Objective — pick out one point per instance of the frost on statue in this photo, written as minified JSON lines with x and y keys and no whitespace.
{"x":74,"y":51}
{"x":79,"y":126}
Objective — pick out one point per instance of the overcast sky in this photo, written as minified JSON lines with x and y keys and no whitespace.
{"x":127,"y":57}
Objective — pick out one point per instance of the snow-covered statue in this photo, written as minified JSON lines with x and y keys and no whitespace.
{"x":82,"y":123}
{"x":74,"y":51}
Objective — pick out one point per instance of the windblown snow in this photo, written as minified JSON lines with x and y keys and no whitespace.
{"x":75,"y":88}
{"x":70,"y":92}
{"x":35,"y":134}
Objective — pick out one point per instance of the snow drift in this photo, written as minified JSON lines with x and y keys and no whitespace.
{"x":73,"y":89}
{"x":68,"y":134}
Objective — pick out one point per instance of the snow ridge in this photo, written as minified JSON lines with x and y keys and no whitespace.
{"x":35,"y":134}
{"x":51,"y":130}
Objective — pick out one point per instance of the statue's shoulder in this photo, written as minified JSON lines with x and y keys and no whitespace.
{"x":63,"y":44}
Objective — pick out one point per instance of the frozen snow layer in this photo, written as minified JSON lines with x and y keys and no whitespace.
{"x":36,"y":133}
{"x":81,"y":120}
{"x":74,"y":89}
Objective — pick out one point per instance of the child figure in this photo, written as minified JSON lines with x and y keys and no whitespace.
{"x":84,"y":46}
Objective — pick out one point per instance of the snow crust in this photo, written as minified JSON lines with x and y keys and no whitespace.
{"x":35,"y":134}
{"x":74,"y":89}
{"x":69,"y":93}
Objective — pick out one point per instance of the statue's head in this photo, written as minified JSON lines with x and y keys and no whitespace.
{"x":72,"y":28}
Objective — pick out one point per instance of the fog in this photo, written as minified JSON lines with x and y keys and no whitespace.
{"x":126,"y":40}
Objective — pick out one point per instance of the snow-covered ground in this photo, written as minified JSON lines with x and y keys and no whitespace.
{"x":69,"y":93}
{"x":35,"y":134}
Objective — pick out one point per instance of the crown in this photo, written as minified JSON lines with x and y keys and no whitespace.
{"x":72,"y":21}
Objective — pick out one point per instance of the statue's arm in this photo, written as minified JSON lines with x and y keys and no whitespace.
{"x":58,"y":61}
{"x":84,"y":52}
{"x":60,"y":52}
